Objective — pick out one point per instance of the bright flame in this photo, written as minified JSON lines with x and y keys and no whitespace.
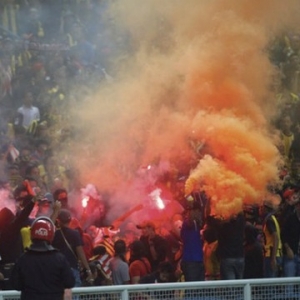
{"x":85,"y":201}
{"x":155,"y":195}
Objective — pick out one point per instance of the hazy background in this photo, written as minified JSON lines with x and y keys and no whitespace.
{"x":197,"y":72}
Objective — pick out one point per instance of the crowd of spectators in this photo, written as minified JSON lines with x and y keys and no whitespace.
{"x":47,"y":47}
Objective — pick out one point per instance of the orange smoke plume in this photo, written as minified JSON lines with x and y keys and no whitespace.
{"x":195,"y":70}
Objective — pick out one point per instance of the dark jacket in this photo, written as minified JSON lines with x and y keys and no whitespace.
{"x":74,"y":239}
{"x":291,"y":233}
{"x":231,"y":237}
{"x":11,"y":246}
{"x":254,"y":254}
{"x":42,"y":275}
{"x":155,"y":278}
{"x":161,"y":248}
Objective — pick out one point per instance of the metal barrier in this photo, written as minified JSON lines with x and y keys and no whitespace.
{"x":254,"y":289}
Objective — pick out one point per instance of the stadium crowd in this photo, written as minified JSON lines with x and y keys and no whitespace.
{"x":47,"y":48}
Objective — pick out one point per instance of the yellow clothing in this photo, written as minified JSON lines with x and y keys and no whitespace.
{"x":287,"y":141}
{"x":40,"y":30}
{"x":10,"y":131}
{"x":190,"y":185}
{"x":211,"y":261}
{"x":23,"y":58}
{"x":26,"y":240}
{"x":71,"y":41}
{"x":9,"y":17}
{"x":56,"y":93}
{"x":58,"y":173}
{"x":108,"y":245}
{"x":269,"y":240}
{"x":15,"y":180}
{"x":280,"y":97}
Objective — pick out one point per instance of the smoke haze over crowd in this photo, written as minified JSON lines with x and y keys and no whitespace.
{"x":196,"y":71}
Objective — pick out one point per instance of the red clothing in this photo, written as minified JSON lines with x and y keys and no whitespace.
{"x":139,"y":267}
{"x":104,"y":261}
{"x":87,"y":245}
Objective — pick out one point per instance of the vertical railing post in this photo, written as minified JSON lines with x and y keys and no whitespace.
{"x":125,"y":295}
{"x":247,"y":291}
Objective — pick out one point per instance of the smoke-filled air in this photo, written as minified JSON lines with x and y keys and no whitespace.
{"x":198,"y":79}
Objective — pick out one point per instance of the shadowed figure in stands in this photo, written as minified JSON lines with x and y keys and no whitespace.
{"x":42,"y":272}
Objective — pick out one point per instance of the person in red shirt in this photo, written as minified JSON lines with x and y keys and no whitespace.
{"x":139,"y":264}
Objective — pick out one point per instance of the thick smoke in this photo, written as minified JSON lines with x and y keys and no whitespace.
{"x":195,"y":71}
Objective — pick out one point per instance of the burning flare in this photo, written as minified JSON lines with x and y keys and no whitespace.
{"x":155,"y":195}
{"x":85,"y":201}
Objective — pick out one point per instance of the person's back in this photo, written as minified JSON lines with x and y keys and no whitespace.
{"x":165,"y":273}
{"x":155,"y":245}
{"x":210,"y":246}
{"x":231,"y":237}
{"x":10,"y":237}
{"x":254,"y":257}
{"x":139,"y":265}
{"x":42,"y":272}
{"x":192,"y":255}
{"x":74,"y":240}
{"x":230,"y":247}
{"x":42,"y":275}
{"x":70,"y":243}
{"x":273,"y":246}
{"x":118,"y":265}
{"x":174,"y":242}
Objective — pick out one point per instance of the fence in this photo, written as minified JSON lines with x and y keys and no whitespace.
{"x":254,"y":289}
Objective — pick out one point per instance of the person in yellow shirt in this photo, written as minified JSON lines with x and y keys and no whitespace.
{"x":210,"y":257}
{"x":53,"y":174}
{"x":9,"y":15}
{"x":272,"y":239}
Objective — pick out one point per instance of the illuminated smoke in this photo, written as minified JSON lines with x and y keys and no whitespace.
{"x":85,"y":201}
{"x":196,"y":70}
{"x":6,"y":201}
{"x":155,"y":195}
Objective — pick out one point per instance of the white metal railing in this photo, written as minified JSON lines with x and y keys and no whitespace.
{"x":253,"y":289}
